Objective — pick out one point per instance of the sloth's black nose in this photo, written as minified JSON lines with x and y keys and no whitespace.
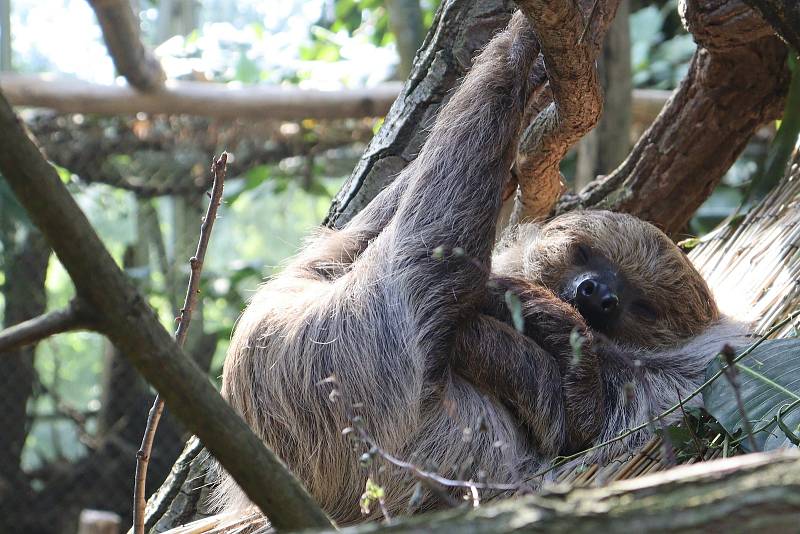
{"x":597,"y":302}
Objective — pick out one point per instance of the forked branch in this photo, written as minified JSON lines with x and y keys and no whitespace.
{"x":570,"y":38}
{"x":736,"y":82}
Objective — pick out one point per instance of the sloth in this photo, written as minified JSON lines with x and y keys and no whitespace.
{"x":476,"y":360}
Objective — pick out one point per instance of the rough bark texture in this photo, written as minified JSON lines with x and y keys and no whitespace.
{"x":737,"y":80}
{"x":783,"y":16}
{"x":183,"y":496}
{"x":459,"y":30}
{"x":571,"y":38}
{"x":751,"y":493}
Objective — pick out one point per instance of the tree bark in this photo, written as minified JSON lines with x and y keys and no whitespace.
{"x":783,"y":16}
{"x":120,"y":26}
{"x":753,"y":493}
{"x":737,"y":81}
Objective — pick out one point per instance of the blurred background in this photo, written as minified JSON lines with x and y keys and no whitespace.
{"x":72,"y":411}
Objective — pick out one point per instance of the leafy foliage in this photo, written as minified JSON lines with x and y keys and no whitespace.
{"x":658,"y":59}
{"x":768,"y":381}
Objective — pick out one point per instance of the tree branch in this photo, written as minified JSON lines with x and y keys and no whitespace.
{"x":737,"y":80}
{"x":76,"y":316}
{"x":207,"y":99}
{"x":133,"y":326}
{"x":460,"y":29}
{"x":120,"y":27}
{"x":570,"y":43}
{"x":783,"y":16}
{"x":740,"y":494}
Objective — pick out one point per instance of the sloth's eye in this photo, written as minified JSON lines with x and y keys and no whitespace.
{"x":581,"y":255}
{"x":644,"y":309}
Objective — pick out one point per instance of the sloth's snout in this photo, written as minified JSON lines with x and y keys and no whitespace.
{"x":596,"y":299}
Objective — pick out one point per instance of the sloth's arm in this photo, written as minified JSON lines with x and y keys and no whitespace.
{"x":451,"y":193}
{"x":549,"y":323}
{"x":332,"y":252}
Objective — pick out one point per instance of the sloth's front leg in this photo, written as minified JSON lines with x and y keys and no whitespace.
{"x":512,"y":368}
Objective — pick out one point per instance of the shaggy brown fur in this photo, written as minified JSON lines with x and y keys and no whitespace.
{"x":426,"y":345}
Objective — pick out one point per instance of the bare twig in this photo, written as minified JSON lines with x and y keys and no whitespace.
{"x":729,"y":369}
{"x":218,"y":169}
{"x":699,"y":447}
{"x":121,"y":33}
{"x":433,"y":481}
{"x":76,"y":316}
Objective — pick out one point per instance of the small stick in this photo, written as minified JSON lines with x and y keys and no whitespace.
{"x":218,"y":169}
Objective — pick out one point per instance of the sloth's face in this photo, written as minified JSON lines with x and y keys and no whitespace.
{"x":625,"y":277}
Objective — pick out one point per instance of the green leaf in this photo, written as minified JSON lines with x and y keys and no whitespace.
{"x":768,"y":381}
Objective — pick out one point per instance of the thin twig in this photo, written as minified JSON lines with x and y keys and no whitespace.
{"x":76,"y":316}
{"x":729,"y":369}
{"x":434,"y":482}
{"x":218,"y":169}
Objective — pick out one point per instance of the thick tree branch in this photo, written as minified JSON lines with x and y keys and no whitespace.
{"x":133,"y":326}
{"x":459,"y":30}
{"x":740,"y":494}
{"x":121,"y":33}
{"x":737,"y":80}
{"x":783,"y":16}
{"x":207,"y":99}
{"x":76,"y":316}
{"x":570,"y":42}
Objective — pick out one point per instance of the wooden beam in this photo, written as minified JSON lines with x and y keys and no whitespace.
{"x":231,"y":101}
{"x":198,"y":98}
